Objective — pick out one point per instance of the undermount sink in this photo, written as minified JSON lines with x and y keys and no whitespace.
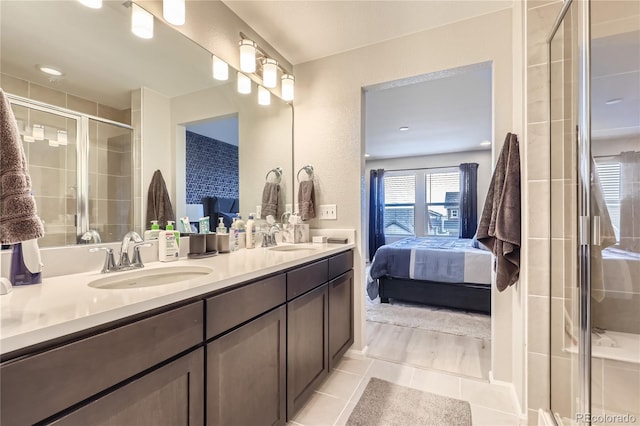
{"x":292,"y":248}
{"x":150,"y":277}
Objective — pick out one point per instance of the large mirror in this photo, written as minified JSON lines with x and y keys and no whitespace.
{"x":125,"y":107}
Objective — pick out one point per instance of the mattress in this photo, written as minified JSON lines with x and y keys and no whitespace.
{"x":440,"y":259}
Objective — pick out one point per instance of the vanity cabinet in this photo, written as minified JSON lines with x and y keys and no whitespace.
{"x":38,"y":386}
{"x":340,"y":316}
{"x":171,"y":395}
{"x":246,"y":366}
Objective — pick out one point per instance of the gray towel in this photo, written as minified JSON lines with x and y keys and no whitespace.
{"x":306,"y":198}
{"x":271,"y":199}
{"x":158,"y":202}
{"x":18,"y":219}
{"x":499,"y":228}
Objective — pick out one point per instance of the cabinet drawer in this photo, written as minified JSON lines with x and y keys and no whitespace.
{"x":305,"y":278}
{"x":237,"y":306}
{"x":340,"y":263}
{"x":38,"y":386}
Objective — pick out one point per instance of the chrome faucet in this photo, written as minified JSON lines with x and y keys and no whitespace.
{"x":91,"y":234}
{"x":269,"y":237}
{"x":124,"y":248}
{"x":125,"y":263}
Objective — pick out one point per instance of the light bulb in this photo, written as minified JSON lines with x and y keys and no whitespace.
{"x":264,"y":96}
{"x":244,"y":84}
{"x":220,"y":69}
{"x":288,"y":83}
{"x":173,"y":11}
{"x":141,"y":22}
{"x":93,"y":4}
{"x":247,"y":56}
{"x":269,"y":72}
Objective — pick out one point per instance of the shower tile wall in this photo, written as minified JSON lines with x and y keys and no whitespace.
{"x":540,"y":17}
{"x":53,"y":169}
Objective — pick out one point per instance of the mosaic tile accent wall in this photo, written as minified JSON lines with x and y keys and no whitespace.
{"x":212,"y":168}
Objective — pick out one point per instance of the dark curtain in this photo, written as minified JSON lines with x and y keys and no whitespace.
{"x":376,"y":211}
{"x":468,"y":200}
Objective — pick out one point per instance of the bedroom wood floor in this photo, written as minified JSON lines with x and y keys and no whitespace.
{"x":463,"y":355}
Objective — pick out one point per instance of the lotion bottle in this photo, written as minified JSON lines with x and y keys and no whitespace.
{"x":168,"y":244}
{"x":152,"y":234}
{"x":251,"y":232}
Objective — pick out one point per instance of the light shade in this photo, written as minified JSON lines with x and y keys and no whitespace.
{"x":244,"y":84}
{"x":269,"y":72}
{"x":288,"y":83}
{"x":62,"y":137}
{"x":141,"y":22}
{"x":264,"y":96}
{"x":173,"y":11}
{"x":247,"y":56}
{"x":220,"y":69}
{"x":38,"y":132}
{"x":93,"y":4}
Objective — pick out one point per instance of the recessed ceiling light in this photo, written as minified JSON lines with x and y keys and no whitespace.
{"x":47,"y":69}
{"x":93,"y":4}
{"x":404,"y":128}
{"x":613,"y":101}
{"x":485,"y":143}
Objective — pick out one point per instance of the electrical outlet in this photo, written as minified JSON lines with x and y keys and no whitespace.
{"x":258,"y":212}
{"x":328,"y":211}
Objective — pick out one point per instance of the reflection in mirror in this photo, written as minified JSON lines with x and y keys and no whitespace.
{"x":139,"y":98}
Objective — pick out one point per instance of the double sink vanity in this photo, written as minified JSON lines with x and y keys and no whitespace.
{"x":238,"y":339}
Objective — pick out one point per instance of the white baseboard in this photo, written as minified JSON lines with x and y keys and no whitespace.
{"x":545,"y":419}
{"x":512,"y":391}
{"x":357,"y":354}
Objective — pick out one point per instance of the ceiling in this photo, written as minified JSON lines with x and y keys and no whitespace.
{"x":448,"y":112}
{"x":304,"y":30}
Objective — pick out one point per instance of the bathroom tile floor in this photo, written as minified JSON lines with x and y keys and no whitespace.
{"x":335,"y":399}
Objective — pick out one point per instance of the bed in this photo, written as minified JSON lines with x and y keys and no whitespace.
{"x":439,"y":271}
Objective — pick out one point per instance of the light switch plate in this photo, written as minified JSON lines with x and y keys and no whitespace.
{"x":328,"y":211}
{"x":258,"y":212}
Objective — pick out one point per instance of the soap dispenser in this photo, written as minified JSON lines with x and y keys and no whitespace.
{"x":152,"y":234}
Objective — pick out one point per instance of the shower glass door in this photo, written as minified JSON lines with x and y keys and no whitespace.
{"x":565,"y":306}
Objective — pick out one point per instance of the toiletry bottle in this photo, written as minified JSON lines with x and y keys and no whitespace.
{"x":251,"y":232}
{"x":242,"y":236}
{"x":235,"y":235}
{"x":152,"y":234}
{"x":221,"y":229}
{"x":26,"y":267}
{"x":168,"y":244}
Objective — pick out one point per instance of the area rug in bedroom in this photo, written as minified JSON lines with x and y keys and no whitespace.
{"x":386,"y":404}
{"x":415,"y":315}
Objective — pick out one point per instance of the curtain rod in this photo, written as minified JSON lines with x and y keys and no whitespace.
{"x":421,"y":168}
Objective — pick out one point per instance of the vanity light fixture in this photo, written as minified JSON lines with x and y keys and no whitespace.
{"x":264,"y":96}
{"x":141,"y":22}
{"x":173,"y":11}
{"x":93,"y":4}
{"x":485,"y":143}
{"x":62,"y":137}
{"x":269,"y":73}
{"x":38,"y":132}
{"x":288,"y":83}
{"x":244,"y":84}
{"x":248,"y":55}
{"x":220,"y":69}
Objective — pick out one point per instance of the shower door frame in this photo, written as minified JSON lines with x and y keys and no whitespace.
{"x":82,"y":151}
{"x":585,"y":231}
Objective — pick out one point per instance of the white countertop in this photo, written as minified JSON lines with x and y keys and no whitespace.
{"x":67,"y":304}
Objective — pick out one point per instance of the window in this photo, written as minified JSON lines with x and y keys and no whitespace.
{"x":422,"y":202}
{"x":609,"y":175}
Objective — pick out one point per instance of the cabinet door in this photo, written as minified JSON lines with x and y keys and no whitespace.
{"x":246,"y":373}
{"x":307,"y":346}
{"x":171,"y":395}
{"x":340,"y":316}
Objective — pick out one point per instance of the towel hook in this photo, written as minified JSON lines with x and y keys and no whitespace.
{"x":309,"y":169}
{"x":276,"y":171}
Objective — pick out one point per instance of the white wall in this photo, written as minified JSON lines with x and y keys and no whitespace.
{"x":328,"y":128}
